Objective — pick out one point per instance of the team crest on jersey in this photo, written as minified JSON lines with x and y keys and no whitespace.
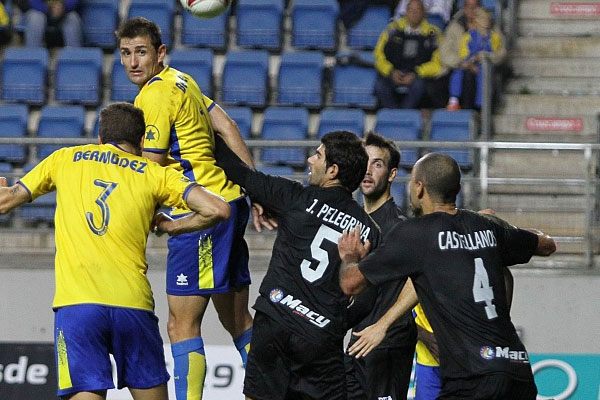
{"x":152,"y":133}
{"x":276,"y":295}
{"x":487,"y":352}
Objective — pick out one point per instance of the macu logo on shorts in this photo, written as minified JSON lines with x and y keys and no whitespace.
{"x":489,"y":353}
{"x":277,"y":296}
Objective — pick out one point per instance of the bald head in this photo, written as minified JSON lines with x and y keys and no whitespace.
{"x":440,"y":175}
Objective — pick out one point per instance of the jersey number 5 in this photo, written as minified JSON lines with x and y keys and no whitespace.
{"x":108,"y":187}
{"x":482,"y":291}
{"x":319,"y":254}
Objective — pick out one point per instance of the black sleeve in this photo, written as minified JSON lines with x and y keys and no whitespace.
{"x":389,"y":261}
{"x":517,"y":245}
{"x":273,"y":192}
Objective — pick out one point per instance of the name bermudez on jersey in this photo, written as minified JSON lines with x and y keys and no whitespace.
{"x":277,"y":296}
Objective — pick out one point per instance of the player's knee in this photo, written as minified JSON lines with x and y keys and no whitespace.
{"x":180,"y":329}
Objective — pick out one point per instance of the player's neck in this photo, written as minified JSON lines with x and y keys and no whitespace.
{"x":373,"y":204}
{"x":448,"y":208}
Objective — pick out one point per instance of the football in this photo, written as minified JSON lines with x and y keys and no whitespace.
{"x":205,"y":8}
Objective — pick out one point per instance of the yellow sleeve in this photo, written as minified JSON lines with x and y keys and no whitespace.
{"x":208,"y":102}
{"x":40,"y":179}
{"x":463,"y":50}
{"x":172,"y":187}
{"x":159,"y":106}
{"x":498,"y":48}
{"x":382,"y":65}
{"x":431,"y":68}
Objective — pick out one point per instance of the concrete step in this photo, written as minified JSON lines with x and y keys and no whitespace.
{"x":564,"y":10}
{"x":556,"y":67}
{"x":575,"y":128}
{"x":550,"y":222}
{"x":551,"y":164}
{"x":543,"y":189}
{"x":537,"y":202}
{"x":558,"y":27}
{"x":567,"y":47}
{"x":571,"y":85}
{"x":550,"y":105}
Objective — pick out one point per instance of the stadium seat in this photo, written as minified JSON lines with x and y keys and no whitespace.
{"x":437,"y":20}
{"x":24,"y":75}
{"x":245,"y":78}
{"x":100,"y":19}
{"x":353,"y":84}
{"x":243,"y":117}
{"x":314,"y":24}
{"x":59,"y":122}
{"x":280,"y":124}
{"x":41,"y":210}
{"x":454,"y":126}
{"x":398,"y":190}
{"x":204,"y":32}
{"x":13,"y":123}
{"x":300,"y":79}
{"x":401,"y":125}
{"x":78,"y":75}
{"x":334,"y":119}
{"x":158,"y":11}
{"x":121,"y":88}
{"x":259,"y":23}
{"x":276,"y":170}
{"x":365,"y":33}
{"x":198,"y":63}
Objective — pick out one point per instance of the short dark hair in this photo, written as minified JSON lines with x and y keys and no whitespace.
{"x":377,"y":140}
{"x":346,"y":150}
{"x":140,"y":26}
{"x":441,"y":176}
{"x":122,"y":122}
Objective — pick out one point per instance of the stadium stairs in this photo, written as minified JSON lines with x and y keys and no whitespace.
{"x":553,"y":96}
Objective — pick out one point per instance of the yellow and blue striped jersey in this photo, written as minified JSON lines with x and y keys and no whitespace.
{"x":106,"y":199}
{"x":424,"y":356}
{"x":177,"y":122}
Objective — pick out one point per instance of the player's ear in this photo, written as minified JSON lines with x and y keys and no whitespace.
{"x":162,"y":52}
{"x":392,"y":174}
{"x":333,"y":171}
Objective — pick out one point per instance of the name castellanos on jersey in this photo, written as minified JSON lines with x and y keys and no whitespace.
{"x":519,"y":356}
{"x":338,"y":218}
{"x":451,"y":240}
{"x":108,"y":157}
{"x":276,"y":295}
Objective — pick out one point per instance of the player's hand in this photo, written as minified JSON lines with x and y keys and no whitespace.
{"x":3,"y":182}
{"x":260,"y":218}
{"x":161,"y":223}
{"x":488,"y":211}
{"x":368,"y":339}
{"x":350,"y":247}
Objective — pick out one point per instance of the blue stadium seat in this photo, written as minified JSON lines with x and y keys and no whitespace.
{"x":276,"y":170}
{"x":334,"y":119}
{"x":243,"y":117}
{"x":59,"y":122}
{"x":158,"y":11}
{"x":41,"y":209}
{"x":314,"y":24}
{"x":401,"y":125}
{"x":282,"y":124}
{"x":353,"y":85}
{"x":198,"y":63}
{"x":100,"y":19}
{"x":13,"y":123}
{"x":300,"y":79}
{"x":365,"y":33}
{"x":245,"y":78}
{"x":437,"y":20}
{"x":24,"y":75}
{"x":204,"y":32}
{"x":259,"y":23}
{"x":398,"y":190}
{"x":79,"y":75}
{"x":121,"y":88}
{"x":454,"y":126}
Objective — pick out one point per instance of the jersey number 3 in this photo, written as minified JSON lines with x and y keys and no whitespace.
{"x":319,"y":254}
{"x":107,"y":187}
{"x":482,"y":291}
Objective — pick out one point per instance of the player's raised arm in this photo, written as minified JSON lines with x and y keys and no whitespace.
{"x":11,"y":197}
{"x":228,"y":129}
{"x":546,"y":245}
{"x":351,"y":250}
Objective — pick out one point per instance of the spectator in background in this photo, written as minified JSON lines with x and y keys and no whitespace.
{"x":442,"y":8}
{"x":479,"y":39}
{"x":53,"y":19}
{"x":5,"y":23}
{"x":405,"y":55}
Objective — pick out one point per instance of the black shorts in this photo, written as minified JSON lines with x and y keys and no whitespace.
{"x":488,"y":387}
{"x":384,"y":373}
{"x":284,"y":365}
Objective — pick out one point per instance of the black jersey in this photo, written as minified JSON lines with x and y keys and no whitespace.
{"x":455,"y":263}
{"x":301,"y":288}
{"x":375,"y":301}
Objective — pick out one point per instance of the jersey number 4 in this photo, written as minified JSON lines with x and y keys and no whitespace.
{"x":107,"y":187}
{"x":319,"y":254}
{"x":482,"y":291}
